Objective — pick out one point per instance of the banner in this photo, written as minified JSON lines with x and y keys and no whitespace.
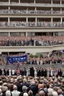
{"x":17,"y":59}
{"x":62,"y":51}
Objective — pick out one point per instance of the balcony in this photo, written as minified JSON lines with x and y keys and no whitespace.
{"x":41,"y":12}
{"x":44,"y":43}
{"x":32,"y":24}
{"x":31,"y":41}
{"x":31,"y":4}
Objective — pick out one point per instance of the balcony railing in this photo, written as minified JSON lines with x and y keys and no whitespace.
{"x":32,"y":24}
{"x":25,"y":3}
{"x":12,"y":11}
{"x":4,"y":3}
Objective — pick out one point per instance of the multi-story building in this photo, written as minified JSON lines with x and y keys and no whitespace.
{"x":31,"y":18}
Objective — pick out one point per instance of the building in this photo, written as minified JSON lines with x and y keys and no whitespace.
{"x":31,"y":18}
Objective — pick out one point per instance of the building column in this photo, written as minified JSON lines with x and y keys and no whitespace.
{"x":27,"y":10}
{"x":51,"y":10}
{"x":9,"y":34}
{"x":51,"y":2}
{"x":61,"y":20}
{"x":51,"y":22}
{"x":26,"y":34}
{"x":9,"y":9}
{"x":20,"y":34}
{"x":60,"y":10}
{"x":54,"y":34}
{"x":9,"y":1}
{"x":36,"y":21}
{"x":35,"y":10}
{"x":60,"y":2}
{"x":19,"y":1}
{"x":26,"y":21}
{"x":33,"y":34}
{"x":34,"y":1}
{"x":8,"y":21}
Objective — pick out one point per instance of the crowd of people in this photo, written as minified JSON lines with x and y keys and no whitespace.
{"x":33,"y":80}
{"x":31,"y":41}
{"x":39,"y":82}
{"x":31,"y":24}
{"x":32,"y":71}
{"x":18,"y":11}
{"x":55,"y":58}
{"x":45,"y":60}
{"x":40,"y":60}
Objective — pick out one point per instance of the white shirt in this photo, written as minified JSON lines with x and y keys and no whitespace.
{"x":13,"y":72}
{"x":9,"y":72}
{"x":15,"y":93}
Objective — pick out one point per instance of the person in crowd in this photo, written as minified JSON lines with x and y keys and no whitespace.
{"x":41,"y":85}
{"x":59,"y":72}
{"x":32,"y":71}
{"x":0,"y":92}
{"x":15,"y":92}
{"x":0,"y":72}
{"x":33,"y":87}
{"x":8,"y":93}
{"x":13,"y":72}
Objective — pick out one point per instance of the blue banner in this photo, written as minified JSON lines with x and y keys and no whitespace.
{"x":17,"y":59}
{"x":62,"y":51}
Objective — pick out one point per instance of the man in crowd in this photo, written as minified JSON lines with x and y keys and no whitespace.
{"x":36,"y":86}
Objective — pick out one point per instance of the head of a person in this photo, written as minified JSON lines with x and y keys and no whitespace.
{"x":41,"y":93}
{"x":14,"y":87}
{"x":50,"y":90}
{"x":4,"y":88}
{"x":11,"y":80}
{"x":24,"y":88}
{"x":30,"y":93}
{"x":8,"y":93}
{"x":54,"y":93}
{"x":32,"y":82}
{"x":24,"y":80}
{"x":59,"y":91}
{"x":25,"y":94}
